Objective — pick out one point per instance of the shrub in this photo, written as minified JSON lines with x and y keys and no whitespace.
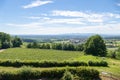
{"x":87,"y":74}
{"x":67,"y":76}
{"x":101,"y":63}
{"x":18,"y":63}
{"x":27,"y":73}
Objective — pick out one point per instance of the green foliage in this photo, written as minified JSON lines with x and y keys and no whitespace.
{"x":101,"y":63}
{"x":68,"y":46}
{"x":7,"y":42}
{"x":6,"y":45}
{"x":56,"y":46}
{"x":16,"y":42}
{"x":4,"y":37}
{"x":67,"y":76}
{"x":17,"y":63}
{"x":45,"y":46}
{"x":0,"y":44}
{"x":95,"y":45}
{"x":27,"y":73}
{"x":80,"y":47}
{"x":118,"y":49}
{"x":29,"y":45}
{"x":86,"y":74}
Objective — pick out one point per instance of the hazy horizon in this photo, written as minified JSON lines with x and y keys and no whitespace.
{"x":48,"y":17}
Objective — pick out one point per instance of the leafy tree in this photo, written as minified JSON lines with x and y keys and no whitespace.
{"x":35,"y":45}
{"x":4,"y":37}
{"x":29,"y":45}
{"x":57,"y":46}
{"x":47,"y":46}
{"x":44,"y":46}
{"x":80,"y":47}
{"x":17,"y":42}
{"x":118,"y":49}
{"x":0,"y":45}
{"x":68,"y":46}
{"x":6,"y":45}
{"x":95,"y":45}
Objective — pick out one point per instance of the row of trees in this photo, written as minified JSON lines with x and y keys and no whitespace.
{"x":95,"y":45}
{"x":6,"y":41}
{"x":56,"y":46}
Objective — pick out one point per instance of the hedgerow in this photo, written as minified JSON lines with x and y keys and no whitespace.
{"x":101,"y":63}
{"x":27,"y":73}
{"x":16,"y":63}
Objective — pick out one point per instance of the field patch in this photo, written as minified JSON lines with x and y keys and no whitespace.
{"x":39,"y":54}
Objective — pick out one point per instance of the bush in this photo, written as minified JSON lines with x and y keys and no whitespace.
{"x":101,"y":63}
{"x":67,"y":76}
{"x":27,"y":73}
{"x":18,"y":63}
{"x":86,"y":74}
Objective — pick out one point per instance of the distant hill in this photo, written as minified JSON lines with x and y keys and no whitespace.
{"x":65,"y":36}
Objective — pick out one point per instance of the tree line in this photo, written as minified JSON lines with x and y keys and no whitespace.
{"x":94,"y":45}
{"x":56,"y":46}
{"x":7,"y":41}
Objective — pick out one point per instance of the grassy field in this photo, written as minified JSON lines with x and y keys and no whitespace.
{"x":39,"y":54}
{"x":56,"y":55}
{"x":45,"y":55}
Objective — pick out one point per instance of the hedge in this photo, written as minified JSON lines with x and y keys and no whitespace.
{"x":17,"y":63}
{"x":101,"y":63}
{"x":30,"y":74}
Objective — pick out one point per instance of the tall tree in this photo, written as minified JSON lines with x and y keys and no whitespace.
{"x":5,"y":40}
{"x":95,"y":45}
{"x":16,"y":42}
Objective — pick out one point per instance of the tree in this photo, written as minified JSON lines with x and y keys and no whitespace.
{"x":80,"y":47}
{"x":6,"y":45}
{"x":17,"y":42}
{"x":95,"y":45}
{"x":35,"y":45}
{"x":29,"y":45}
{"x":4,"y":37}
{"x":0,"y":45}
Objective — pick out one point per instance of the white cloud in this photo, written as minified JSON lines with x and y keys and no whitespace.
{"x":64,"y":21}
{"x":87,"y":16}
{"x":60,"y":22}
{"x":38,"y":28}
{"x":37,"y":3}
{"x":26,"y":26}
{"x":34,"y":17}
{"x":118,"y":4}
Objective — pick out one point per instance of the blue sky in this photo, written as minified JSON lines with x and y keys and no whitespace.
{"x":60,"y":16}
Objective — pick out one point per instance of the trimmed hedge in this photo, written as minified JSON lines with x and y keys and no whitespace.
{"x":29,"y":74}
{"x":17,"y":63}
{"x":41,"y":64}
{"x":101,"y":63}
